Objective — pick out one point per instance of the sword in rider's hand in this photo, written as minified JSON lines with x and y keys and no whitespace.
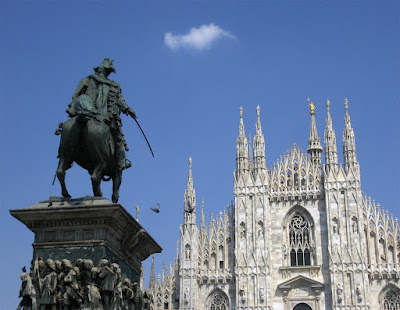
{"x":131,"y":113}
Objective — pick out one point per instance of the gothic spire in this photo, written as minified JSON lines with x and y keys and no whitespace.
{"x":190,"y":177}
{"x":203,"y":222}
{"x":190,"y":199}
{"x":152,"y":283}
{"x":241,"y":147}
{"x":349,"y":142}
{"x":314,"y":148}
{"x":259,"y":144}
{"x":331,"y":159}
{"x":177,"y":251}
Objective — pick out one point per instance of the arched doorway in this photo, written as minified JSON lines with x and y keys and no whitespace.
{"x":302,"y":306}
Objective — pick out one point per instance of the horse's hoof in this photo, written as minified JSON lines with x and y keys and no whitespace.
{"x":114,"y":199}
{"x":66,"y":195}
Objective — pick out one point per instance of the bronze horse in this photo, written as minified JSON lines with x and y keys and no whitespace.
{"x":90,"y":144}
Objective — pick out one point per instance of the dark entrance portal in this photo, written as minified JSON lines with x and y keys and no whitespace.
{"x":302,"y":306}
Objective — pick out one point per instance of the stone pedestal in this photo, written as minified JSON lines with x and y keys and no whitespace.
{"x":88,"y":228}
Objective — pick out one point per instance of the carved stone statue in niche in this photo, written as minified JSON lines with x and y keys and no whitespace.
{"x":354,"y":225}
{"x":284,"y":250}
{"x":359,"y":293}
{"x":187,"y":252}
{"x":335,"y":227}
{"x":186,"y":295}
{"x":260,"y":230}
{"x":242,"y":294}
{"x":339,"y":292}
{"x":262,"y":294}
{"x":242,"y":231}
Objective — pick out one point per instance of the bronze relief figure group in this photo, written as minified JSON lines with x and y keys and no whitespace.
{"x":60,"y":285}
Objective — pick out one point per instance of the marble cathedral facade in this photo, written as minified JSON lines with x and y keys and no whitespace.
{"x":300,"y":235}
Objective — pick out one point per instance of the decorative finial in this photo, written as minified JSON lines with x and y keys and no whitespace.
{"x":137,"y":212}
{"x":346,"y":105}
{"x":241,"y":112}
{"x":258,"y":111}
{"x":328,"y":103}
{"x":190,"y":162}
{"x":312,"y":106}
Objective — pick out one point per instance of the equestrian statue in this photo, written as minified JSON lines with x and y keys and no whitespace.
{"x":92,"y":136}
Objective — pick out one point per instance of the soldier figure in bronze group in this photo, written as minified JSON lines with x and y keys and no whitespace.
{"x":48,"y":298}
{"x":92,"y":137}
{"x":27,"y":292}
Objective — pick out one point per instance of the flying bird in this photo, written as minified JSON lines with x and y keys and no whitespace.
{"x":156,"y":210}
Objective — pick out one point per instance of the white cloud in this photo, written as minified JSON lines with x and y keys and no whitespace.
{"x":198,"y":38}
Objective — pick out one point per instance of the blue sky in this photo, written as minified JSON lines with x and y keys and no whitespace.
{"x":186,"y":67}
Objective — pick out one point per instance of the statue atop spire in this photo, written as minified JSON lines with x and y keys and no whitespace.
{"x":312,"y":106}
{"x":314,"y":148}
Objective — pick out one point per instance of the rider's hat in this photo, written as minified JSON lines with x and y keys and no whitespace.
{"x":107,"y":63}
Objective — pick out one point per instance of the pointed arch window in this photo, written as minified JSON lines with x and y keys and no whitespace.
{"x":300,"y":241}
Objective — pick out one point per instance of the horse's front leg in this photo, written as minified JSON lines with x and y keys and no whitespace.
{"x":96,"y":179}
{"x":116,"y":184}
{"x":63,"y":165}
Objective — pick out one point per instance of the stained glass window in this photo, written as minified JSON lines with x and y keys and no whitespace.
{"x":299,"y":240}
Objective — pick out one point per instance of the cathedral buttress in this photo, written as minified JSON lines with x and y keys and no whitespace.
{"x":347,"y":242}
{"x":251,"y":214}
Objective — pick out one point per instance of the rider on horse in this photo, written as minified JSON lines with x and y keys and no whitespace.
{"x":100,"y":99}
